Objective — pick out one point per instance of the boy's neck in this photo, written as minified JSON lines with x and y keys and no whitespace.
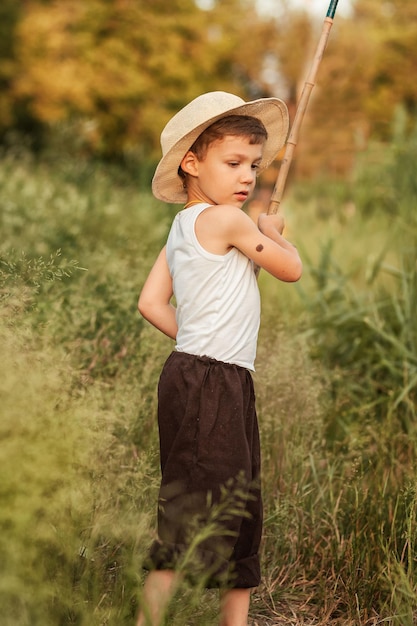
{"x":192,"y":203}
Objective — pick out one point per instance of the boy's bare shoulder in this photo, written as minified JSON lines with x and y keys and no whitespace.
{"x":219,"y":225}
{"x":226,"y":220}
{"x":225,"y":213}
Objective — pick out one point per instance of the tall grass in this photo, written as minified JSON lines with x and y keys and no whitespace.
{"x":352,"y":547}
{"x":79,"y":447}
{"x":336,"y":390}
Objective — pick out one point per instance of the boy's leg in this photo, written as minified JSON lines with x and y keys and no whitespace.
{"x":158,"y":590}
{"x":234,"y":607}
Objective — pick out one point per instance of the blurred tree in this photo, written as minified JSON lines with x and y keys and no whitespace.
{"x":368,"y":70}
{"x":9,"y":13}
{"x":120,"y":68}
{"x":336,"y":124}
{"x":290,"y":49}
{"x":393,"y":80}
{"x":12,"y":113}
{"x":111,"y":72}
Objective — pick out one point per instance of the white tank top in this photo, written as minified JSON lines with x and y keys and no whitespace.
{"x":217,"y":296}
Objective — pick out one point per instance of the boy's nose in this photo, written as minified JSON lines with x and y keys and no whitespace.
{"x":248,"y":175}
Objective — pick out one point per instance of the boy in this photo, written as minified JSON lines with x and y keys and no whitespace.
{"x":210,"y":494}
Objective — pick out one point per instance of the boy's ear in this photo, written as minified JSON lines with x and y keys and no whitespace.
{"x":189,"y":164}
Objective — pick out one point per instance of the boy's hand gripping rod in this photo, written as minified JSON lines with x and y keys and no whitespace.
{"x":301,"y":109}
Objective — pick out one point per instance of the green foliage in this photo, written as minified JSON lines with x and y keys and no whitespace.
{"x":370,"y":335}
{"x":361,"y":327}
{"x":336,"y":392}
{"x":384,"y":177}
{"x":63,"y":547}
{"x":76,"y":457}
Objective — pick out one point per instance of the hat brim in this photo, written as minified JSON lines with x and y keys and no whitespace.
{"x":273,"y":113}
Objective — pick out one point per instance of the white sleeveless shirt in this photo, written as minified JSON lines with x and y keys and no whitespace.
{"x":217,"y":296}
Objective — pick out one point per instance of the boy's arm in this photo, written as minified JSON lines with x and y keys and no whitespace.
{"x":264,"y":244}
{"x":155,"y":298}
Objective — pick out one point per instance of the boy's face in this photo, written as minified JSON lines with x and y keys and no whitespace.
{"x":227,"y":174}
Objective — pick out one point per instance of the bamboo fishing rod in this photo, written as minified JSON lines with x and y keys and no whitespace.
{"x":301,"y":109}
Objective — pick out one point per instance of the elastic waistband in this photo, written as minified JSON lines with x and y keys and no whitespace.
{"x":207,"y":360}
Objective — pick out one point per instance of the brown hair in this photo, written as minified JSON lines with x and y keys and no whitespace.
{"x":235,"y":125}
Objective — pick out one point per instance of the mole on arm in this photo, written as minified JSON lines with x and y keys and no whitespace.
{"x":259,"y":247}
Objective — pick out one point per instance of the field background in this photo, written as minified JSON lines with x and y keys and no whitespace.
{"x":336,"y":385}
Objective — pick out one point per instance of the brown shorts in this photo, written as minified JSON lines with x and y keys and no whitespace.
{"x":210,"y":507}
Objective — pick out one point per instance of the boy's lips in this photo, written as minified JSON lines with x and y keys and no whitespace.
{"x":242,"y":195}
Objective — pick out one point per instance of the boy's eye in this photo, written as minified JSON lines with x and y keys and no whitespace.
{"x":254,"y":166}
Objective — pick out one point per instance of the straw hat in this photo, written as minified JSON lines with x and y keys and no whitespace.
{"x":184,"y":128}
